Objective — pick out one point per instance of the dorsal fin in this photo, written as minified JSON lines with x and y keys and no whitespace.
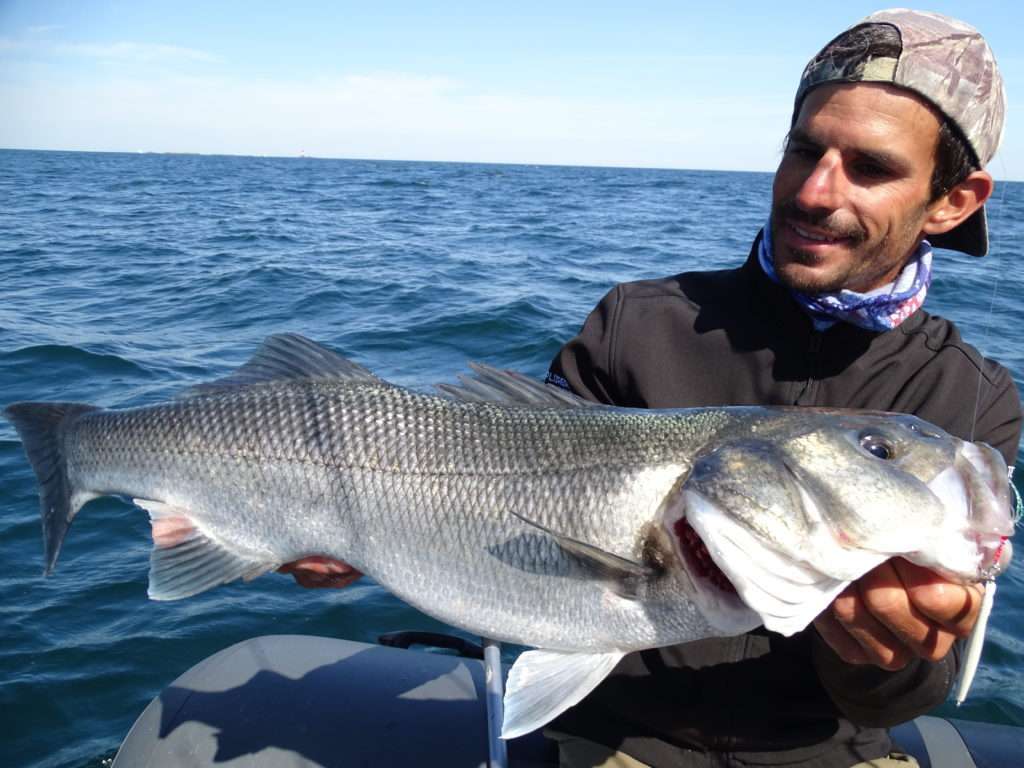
{"x":491,"y":385}
{"x":287,"y":357}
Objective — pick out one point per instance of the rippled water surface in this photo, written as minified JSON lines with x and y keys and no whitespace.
{"x":125,"y":277}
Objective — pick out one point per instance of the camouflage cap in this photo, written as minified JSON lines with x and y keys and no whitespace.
{"x":943,"y":60}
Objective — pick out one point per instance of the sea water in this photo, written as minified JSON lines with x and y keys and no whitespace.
{"x":124,"y":278}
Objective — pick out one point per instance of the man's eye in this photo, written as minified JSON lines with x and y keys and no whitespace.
{"x":803,"y":151}
{"x":871,"y":170}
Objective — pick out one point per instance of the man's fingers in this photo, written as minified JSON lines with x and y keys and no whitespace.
{"x":318,"y":571}
{"x":886,"y":598}
{"x":882,"y":647}
{"x":879,"y":613}
{"x":839,"y":640}
{"x":898,"y":611}
{"x":314,"y":580}
{"x":954,"y":606}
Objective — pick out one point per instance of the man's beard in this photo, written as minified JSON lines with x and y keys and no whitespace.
{"x":787,"y":213}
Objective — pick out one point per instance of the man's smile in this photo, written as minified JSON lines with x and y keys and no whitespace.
{"x":801,"y":237}
{"x":818,"y":238}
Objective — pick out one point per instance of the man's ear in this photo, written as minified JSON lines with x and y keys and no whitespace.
{"x":954,"y":207}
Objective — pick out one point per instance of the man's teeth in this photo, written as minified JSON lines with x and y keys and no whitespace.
{"x":811,"y":236}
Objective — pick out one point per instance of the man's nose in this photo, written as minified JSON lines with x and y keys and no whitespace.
{"x":823,"y":187}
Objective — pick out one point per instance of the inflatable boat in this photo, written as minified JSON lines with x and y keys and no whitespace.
{"x":315,"y":702}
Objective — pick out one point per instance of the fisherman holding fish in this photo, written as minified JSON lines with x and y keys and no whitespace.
{"x":702,"y":584}
{"x":893,"y":123}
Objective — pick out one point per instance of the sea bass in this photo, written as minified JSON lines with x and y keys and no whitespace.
{"x":517,"y":511}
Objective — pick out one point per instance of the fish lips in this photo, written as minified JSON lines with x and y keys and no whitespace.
{"x":723,"y":608}
{"x":976,"y":492}
{"x":768,"y":587}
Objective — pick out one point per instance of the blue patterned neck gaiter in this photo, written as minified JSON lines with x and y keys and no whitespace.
{"x":879,"y":310}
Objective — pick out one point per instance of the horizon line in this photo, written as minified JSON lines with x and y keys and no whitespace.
{"x":303,"y":156}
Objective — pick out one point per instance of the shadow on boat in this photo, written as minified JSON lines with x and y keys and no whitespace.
{"x":305,"y":701}
{"x":315,"y":702}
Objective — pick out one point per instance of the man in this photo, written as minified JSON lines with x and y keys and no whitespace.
{"x":892,"y":124}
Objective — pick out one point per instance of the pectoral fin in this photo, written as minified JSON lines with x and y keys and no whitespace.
{"x":543,"y":684}
{"x":607,"y":565}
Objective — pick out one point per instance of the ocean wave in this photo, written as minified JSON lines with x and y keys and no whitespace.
{"x":126,"y":276}
{"x":51,"y":359}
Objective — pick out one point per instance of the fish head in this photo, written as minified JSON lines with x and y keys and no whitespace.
{"x":792,"y":505}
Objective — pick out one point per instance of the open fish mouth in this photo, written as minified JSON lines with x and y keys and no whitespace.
{"x":714,"y":590}
{"x":699,"y":563}
{"x":742,"y":570}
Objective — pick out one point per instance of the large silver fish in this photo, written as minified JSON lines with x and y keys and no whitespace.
{"x":518,"y":512}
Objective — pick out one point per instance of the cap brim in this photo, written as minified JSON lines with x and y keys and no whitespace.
{"x":971,"y":237}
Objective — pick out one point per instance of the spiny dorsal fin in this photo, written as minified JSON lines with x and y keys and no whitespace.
{"x":288,"y":357}
{"x":491,"y":385}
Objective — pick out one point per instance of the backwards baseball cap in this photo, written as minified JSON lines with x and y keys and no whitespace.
{"x":944,"y":61}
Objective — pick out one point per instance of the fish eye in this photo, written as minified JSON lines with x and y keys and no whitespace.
{"x":877,"y":446}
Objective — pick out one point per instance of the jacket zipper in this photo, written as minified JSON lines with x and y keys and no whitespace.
{"x":812,"y":364}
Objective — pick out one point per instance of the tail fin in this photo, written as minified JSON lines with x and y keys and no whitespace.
{"x":41,"y":427}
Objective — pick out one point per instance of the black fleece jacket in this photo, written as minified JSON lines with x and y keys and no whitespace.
{"x":733,"y":337}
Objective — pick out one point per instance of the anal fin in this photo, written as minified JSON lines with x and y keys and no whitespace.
{"x":184,"y":561}
{"x":543,"y":684}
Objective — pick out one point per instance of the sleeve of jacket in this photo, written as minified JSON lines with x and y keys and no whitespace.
{"x":584,"y":364}
{"x":871,"y":696}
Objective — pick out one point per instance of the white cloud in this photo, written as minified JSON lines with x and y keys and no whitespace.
{"x":143,"y":53}
{"x":388,"y":115}
{"x":400,"y":116}
{"x":9,"y":44}
{"x":138,"y":52}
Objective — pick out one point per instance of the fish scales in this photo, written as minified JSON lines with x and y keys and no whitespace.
{"x":413,"y":488}
{"x":515,"y":511}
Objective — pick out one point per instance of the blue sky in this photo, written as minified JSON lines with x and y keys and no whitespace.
{"x":660,"y":84}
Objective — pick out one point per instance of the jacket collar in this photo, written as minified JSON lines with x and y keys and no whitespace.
{"x":775,"y":303}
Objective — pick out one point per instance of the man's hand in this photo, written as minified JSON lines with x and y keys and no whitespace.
{"x":317,"y":571}
{"x":897,"y":612}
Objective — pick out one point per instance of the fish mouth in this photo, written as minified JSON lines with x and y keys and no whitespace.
{"x":976,"y":491}
{"x":714,"y":593}
{"x":699,"y":563}
{"x":739,"y":576}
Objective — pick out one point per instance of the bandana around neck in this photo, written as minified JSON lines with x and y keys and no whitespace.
{"x":879,"y":310}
